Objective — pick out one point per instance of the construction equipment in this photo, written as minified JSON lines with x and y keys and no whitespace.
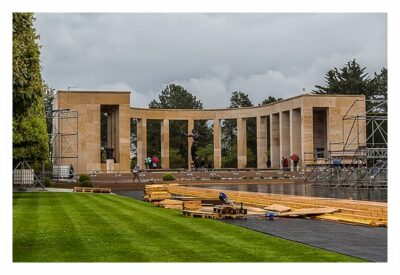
{"x":227,"y":207}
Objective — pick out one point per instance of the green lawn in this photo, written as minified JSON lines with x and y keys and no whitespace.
{"x":78,"y":227}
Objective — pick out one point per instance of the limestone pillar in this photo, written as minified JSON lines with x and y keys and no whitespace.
{"x":261,"y":142}
{"x":217,"y":143}
{"x":284,"y":125}
{"x":190,"y":141}
{"x":275,"y":141}
{"x":141,"y":142}
{"x":307,"y":146}
{"x":241,"y":143}
{"x":295,"y":135}
{"x":165,"y":144}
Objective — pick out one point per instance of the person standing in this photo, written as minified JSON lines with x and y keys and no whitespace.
{"x":268,"y":163}
{"x":135,"y":173}
{"x":210,"y":165}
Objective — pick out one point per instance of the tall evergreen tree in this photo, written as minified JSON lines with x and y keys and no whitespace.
{"x":30,"y":140}
{"x":351,"y":79}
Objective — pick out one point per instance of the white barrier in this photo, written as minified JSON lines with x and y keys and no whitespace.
{"x":24,"y":177}
{"x":61,"y":171}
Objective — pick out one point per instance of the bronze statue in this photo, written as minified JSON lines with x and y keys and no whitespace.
{"x":193,"y":150}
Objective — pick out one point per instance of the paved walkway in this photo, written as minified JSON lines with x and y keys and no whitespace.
{"x":369,"y":243}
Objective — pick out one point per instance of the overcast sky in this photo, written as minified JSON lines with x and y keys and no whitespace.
{"x":211,"y":55}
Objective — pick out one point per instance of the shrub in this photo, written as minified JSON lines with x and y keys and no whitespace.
{"x":168,"y":177}
{"x":84,"y":177}
{"x":47,"y":182}
{"x":86,"y":183}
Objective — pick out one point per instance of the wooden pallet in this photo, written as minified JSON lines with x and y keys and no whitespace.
{"x":200,"y":214}
{"x":91,"y":190}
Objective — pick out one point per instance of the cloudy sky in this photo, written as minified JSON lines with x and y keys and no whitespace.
{"x":211,"y":55}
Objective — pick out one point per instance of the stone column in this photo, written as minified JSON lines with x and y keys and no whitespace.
{"x":295,"y":135}
{"x":165,"y":144}
{"x":141,"y":142}
{"x":284,"y":125}
{"x":241,"y":143}
{"x":261,"y":141}
{"x":190,"y":140}
{"x":217,"y":143}
{"x":307,"y":146}
{"x":275,"y":141}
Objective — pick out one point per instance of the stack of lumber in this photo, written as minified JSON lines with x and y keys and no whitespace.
{"x":170,"y":204}
{"x":277,"y":208}
{"x":191,"y":205}
{"x":365,"y":212}
{"x":156,"y":192}
{"x":309,"y":212}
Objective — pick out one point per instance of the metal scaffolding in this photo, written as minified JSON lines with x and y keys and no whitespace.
{"x":361,"y":161}
{"x":63,"y":137}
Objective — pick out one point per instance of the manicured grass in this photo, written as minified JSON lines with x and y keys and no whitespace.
{"x":78,"y":227}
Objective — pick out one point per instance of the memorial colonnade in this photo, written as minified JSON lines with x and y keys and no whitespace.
{"x":299,"y":125}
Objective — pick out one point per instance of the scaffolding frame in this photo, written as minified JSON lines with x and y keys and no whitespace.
{"x":361,"y":162}
{"x":63,"y":138}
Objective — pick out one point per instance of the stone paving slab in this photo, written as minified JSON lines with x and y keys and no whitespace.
{"x":369,"y":243}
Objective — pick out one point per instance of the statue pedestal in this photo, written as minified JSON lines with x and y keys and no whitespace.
{"x":110,"y":165}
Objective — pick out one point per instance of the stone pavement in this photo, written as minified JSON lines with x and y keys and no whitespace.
{"x":369,"y":243}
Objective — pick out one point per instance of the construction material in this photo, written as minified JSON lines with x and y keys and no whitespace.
{"x":91,"y":190}
{"x":277,"y":208}
{"x":170,"y":204}
{"x":156,"y":192}
{"x":191,"y":205}
{"x":308,"y":212}
{"x":209,"y":215}
{"x":353,"y":209}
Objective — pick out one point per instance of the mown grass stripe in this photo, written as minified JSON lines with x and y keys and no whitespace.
{"x":103,"y":227}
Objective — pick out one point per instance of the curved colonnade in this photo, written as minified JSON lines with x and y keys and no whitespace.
{"x":301,"y":125}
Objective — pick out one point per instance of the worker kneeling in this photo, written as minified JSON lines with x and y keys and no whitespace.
{"x":224,"y":199}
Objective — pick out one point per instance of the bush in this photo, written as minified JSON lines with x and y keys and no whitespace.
{"x":84,"y":177}
{"x":167,"y":177}
{"x":86,"y":183}
{"x":47,"y":182}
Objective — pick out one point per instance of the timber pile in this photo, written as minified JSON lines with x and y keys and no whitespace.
{"x":191,"y":205}
{"x":277,"y":208}
{"x":374,"y":213}
{"x":309,"y":212}
{"x":156,"y":192}
{"x":91,"y":190}
{"x":170,"y":204}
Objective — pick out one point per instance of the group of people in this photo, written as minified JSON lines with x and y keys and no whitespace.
{"x":151,"y":162}
{"x":285,"y":162}
{"x":200,"y":165}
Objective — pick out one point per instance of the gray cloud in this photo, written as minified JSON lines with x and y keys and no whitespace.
{"x":211,"y":55}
